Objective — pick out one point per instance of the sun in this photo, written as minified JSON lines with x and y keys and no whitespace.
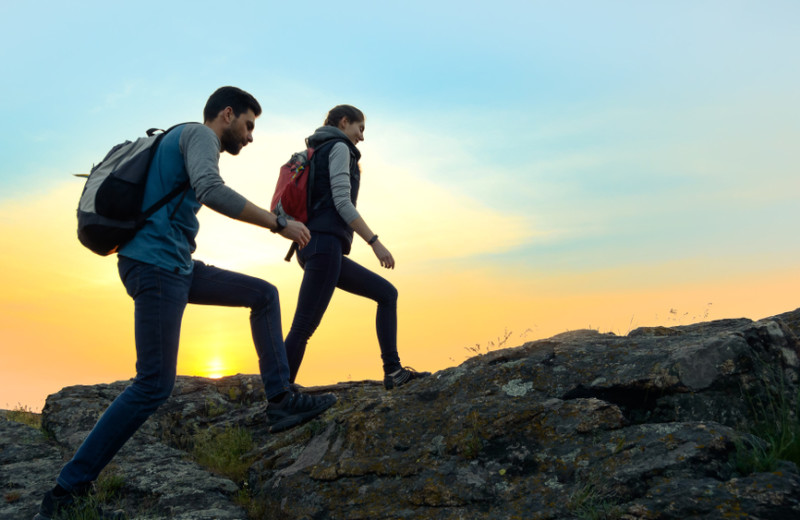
{"x":215,"y":368}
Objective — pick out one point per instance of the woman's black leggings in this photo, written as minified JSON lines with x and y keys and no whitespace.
{"x":324,"y":269}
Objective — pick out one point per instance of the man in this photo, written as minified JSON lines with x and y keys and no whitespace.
{"x":158,"y":272}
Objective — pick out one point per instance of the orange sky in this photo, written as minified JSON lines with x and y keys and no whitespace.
{"x":581,"y":164}
{"x":65,"y":318}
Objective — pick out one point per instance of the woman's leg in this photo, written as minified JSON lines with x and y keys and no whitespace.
{"x":359,"y":280}
{"x":321,"y":260}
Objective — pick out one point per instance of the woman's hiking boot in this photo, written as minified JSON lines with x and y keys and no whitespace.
{"x":402,"y":376}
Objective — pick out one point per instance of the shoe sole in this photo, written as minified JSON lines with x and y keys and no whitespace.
{"x":297,"y":419}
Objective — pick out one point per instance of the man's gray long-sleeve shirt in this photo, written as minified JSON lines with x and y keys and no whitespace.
{"x":168,"y":236}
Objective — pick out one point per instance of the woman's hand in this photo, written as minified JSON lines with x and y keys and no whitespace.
{"x":383,"y":254}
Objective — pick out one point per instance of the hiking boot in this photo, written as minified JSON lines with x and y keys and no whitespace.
{"x":53,"y":507}
{"x":296,"y":408}
{"x":401,"y":377}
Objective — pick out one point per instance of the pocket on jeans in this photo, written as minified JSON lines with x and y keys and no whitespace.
{"x":304,"y":254}
{"x":129,"y":273}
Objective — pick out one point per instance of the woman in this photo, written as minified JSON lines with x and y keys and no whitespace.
{"x":332,"y":220}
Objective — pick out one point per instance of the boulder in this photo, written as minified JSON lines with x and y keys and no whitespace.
{"x":664,"y":423}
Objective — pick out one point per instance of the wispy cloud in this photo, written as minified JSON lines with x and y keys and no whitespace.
{"x":115,"y":98}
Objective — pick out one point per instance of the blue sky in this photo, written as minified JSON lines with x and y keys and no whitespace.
{"x":617,"y":131}
{"x":537,"y":146}
{"x":594,"y":112}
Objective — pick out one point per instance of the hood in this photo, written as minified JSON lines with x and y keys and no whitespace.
{"x":325,"y":133}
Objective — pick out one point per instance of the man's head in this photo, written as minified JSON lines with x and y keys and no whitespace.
{"x":231,"y":113}
{"x":233,"y":97}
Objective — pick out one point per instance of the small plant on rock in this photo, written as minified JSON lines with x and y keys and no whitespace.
{"x":223,"y":451}
{"x":498,"y":343}
{"x":774,"y":422}
{"x":214,"y":409}
{"x":107,"y":491}
{"x":589,"y":503}
{"x":25,"y":415}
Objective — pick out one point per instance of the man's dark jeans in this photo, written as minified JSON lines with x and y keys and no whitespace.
{"x":160,"y":297}
{"x":326,"y":268}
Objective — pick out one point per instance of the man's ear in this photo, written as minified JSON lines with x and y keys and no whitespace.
{"x":225,"y":116}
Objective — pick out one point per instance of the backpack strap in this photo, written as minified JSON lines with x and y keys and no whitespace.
{"x":290,"y":253}
{"x":183,"y":187}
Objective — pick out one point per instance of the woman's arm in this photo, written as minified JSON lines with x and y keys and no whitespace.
{"x":384,"y":256}
{"x":339,"y":168}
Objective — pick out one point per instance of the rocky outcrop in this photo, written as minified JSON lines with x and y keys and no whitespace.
{"x":664,"y":423}
{"x":27,"y":462}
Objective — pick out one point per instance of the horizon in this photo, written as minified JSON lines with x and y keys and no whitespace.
{"x":533,"y":168}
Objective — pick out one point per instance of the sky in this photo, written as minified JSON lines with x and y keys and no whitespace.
{"x":534,"y":167}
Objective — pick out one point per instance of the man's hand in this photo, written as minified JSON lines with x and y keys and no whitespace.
{"x":296,"y":232}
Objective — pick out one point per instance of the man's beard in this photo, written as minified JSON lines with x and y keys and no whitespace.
{"x":230,"y":143}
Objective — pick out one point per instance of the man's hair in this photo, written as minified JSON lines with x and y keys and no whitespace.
{"x":338,"y":112}
{"x":236,"y":98}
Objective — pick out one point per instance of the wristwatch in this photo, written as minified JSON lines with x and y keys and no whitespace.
{"x":281,"y":223}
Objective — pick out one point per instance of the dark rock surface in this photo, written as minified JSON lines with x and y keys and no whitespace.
{"x":580,"y":425}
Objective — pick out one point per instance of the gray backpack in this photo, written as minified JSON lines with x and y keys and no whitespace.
{"x":110,"y":209}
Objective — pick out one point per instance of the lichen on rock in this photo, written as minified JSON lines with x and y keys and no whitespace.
{"x":645,"y":426}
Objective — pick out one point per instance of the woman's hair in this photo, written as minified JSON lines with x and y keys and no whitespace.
{"x":336,"y":114}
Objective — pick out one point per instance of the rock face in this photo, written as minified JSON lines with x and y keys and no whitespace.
{"x":659,"y":424}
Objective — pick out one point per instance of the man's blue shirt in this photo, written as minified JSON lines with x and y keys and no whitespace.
{"x":168,"y":237}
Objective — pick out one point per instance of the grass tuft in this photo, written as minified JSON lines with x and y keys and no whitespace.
{"x":25,"y":415}
{"x":589,"y":503}
{"x":107,"y":489}
{"x":223,"y":451}
{"x":496,"y":344}
{"x":775,"y":420}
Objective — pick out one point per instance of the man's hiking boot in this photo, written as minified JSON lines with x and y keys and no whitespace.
{"x":54,"y":507}
{"x":296,"y":408}
{"x":401,"y":377}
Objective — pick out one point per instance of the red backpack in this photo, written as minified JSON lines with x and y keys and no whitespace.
{"x":291,"y":191}
{"x":295,"y":183}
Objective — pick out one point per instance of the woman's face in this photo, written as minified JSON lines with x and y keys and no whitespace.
{"x":355,"y":131}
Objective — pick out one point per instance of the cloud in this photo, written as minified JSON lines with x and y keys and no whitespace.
{"x":113,"y":99}
{"x":419,"y":216}
{"x":425,"y":219}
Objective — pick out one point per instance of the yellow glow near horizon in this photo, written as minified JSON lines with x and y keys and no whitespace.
{"x":215,"y":369}
{"x":65,"y":318}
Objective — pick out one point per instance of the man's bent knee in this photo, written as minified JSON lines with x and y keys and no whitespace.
{"x":151,"y":393}
{"x":267,"y":296}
